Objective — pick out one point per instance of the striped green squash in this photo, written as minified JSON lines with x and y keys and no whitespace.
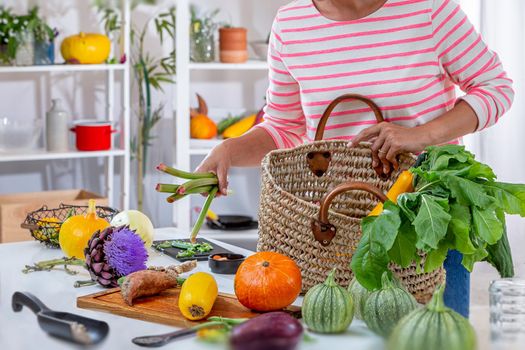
{"x":386,"y":306}
{"x":359,"y":295}
{"x":328,"y":307}
{"x":434,"y":327}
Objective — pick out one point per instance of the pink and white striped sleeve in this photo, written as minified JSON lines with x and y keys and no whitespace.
{"x":470,"y":63}
{"x":283,"y":114}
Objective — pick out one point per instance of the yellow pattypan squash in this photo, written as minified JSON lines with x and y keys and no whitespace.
{"x":86,"y":48}
{"x":77,"y":230}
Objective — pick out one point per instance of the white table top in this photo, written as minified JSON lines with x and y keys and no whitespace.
{"x":20,"y":331}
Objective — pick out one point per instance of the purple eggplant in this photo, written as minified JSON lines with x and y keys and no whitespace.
{"x":274,"y":330}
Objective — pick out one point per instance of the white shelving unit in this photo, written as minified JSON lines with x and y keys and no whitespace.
{"x":122,"y":150}
{"x":185,"y":147}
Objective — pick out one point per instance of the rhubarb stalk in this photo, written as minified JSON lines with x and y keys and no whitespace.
{"x":183,"y":174}
{"x":202,"y":215}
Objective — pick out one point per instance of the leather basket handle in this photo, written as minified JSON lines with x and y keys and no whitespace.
{"x":324,"y":232}
{"x":319,"y":161}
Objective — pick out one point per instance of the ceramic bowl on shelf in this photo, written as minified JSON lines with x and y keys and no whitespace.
{"x":19,"y":134}
{"x":260,"y":48}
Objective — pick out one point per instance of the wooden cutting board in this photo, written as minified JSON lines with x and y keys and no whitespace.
{"x":163,"y":308}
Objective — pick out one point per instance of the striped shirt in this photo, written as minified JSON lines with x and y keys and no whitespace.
{"x":408,"y":56}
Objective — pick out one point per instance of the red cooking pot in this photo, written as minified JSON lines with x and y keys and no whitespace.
{"x":93,"y":135}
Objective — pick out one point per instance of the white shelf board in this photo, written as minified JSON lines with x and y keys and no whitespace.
{"x":44,"y":155}
{"x":249,"y":65}
{"x":62,"y":68}
{"x":202,"y":147}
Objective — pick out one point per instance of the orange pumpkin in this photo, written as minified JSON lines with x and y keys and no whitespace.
{"x":267,"y":281}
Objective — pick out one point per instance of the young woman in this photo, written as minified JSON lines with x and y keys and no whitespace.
{"x":406,"y":55}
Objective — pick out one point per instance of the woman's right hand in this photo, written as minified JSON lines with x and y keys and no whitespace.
{"x":218,"y":161}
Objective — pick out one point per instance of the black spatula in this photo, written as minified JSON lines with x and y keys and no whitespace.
{"x":71,"y":327}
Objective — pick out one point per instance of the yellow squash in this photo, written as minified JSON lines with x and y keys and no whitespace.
{"x":86,"y":48}
{"x":403,"y":184}
{"x":76,"y":231}
{"x":240,"y":127}
{"x":197,"y":296}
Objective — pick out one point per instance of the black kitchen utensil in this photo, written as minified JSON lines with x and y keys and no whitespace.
{"x":232,"y":223}
{"x":225,"y":267}
{"x":71,"y":327}
{"x":155,"y":341}
{"x":172,"y":251}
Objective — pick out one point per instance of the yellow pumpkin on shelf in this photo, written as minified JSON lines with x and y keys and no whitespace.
{"x":86,"y":48}
{"x":78,"y":229}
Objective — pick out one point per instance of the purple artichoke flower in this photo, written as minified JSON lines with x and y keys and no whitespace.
{"x":125,"y":251}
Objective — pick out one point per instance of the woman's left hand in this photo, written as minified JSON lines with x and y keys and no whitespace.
{"x":389,"y":140}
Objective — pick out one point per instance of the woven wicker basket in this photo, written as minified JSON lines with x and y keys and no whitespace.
{"x":292,"y":190}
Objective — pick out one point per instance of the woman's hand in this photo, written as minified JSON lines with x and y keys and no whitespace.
{"x":218,"y":161}
{"x":389,"y":140}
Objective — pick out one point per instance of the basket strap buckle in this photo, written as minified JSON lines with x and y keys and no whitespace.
{"x":323,"y":233}
{"x":318,"y":162}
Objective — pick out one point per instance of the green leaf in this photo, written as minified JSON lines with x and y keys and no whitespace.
{"x":408,"y":202}
{"x":431,"y":222}
{"x":468,"y":192}
{"x":510,"y":197}
{"x":459,"y":226}
{"x":435,"y":258}
{"x":480,"y":170}
{"x":486,"y":225}
{"x":469,"y":260}
{"x":403,"y":251}
{"x":500,"y":254}
{"x":371,"y":259}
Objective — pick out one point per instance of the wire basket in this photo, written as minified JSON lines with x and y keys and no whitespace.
{"x":44,"y":224}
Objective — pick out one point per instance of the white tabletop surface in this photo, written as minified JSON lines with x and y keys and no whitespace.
{"x":55,"y":288}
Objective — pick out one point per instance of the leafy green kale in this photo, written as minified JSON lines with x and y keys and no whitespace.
{"x":457,"y":204}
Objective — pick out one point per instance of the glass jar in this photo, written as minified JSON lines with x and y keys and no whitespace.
{"x":202,"y":47}
{"x":507,"y":313}
{"x":25,"y":53}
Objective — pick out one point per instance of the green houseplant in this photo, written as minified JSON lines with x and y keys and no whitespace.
{"x":19,"y":30}
{"x":149,"y":72}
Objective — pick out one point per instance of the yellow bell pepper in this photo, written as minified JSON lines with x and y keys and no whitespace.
{"x":197,"y":296}
{"x":403,"y":184}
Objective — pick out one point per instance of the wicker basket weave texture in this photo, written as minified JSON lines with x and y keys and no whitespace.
{"x":290,"y":199}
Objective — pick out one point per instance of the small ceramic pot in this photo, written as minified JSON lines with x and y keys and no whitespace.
{"x":233,"y":44}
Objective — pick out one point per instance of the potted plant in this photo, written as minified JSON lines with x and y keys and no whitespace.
{"x":10,"y":26}
{"x":149,"y":72}
{"x":233,"y":44}
{"x":44,"y":37}
{"x":202,"y":36}
{"x":22,"y":35}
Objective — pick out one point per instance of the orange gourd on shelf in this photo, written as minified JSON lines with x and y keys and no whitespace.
{"x":201,"y":126}
{"x":267,"y":281}
{"x":76,"y":231}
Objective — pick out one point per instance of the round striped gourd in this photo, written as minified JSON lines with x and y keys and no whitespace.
{"x":386,"y":306}
{"x":328,"y":307}
{"x":359,"y":296}
{"x":434,"y":327}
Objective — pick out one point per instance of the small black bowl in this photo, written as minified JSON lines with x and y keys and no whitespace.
{"x":225,"y":267}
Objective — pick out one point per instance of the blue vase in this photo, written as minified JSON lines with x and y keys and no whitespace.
{"x":44,"y":53}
